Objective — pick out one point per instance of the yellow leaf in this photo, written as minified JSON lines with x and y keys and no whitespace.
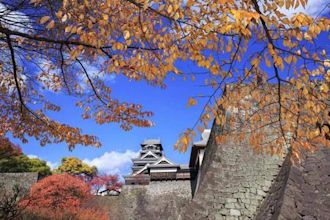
{"x":105,"y":17}
{"x":307,"y":36}
{"x":325,"y":130}
{"x":68,"y":28}
{"x":185,"y":140}
{"x":255,"y":62}
{"x":214,"y":83}
{"x":305,"y":91}
{"x":288,"y":59}
{"x":127,"y":35}
{"x":324,"y":53}
{"x":50,"y":25}
{"x":327,"y":63}
{"x":324,"y":88}
{"x":169,"y":9}
{"x":64,"y":18}
{"x":190,"y":3}
{"x":229,"y":46}
{"x":176,"y":16}
{"x":192,"y":102}
{"x":207,"y":64}
{"x":44,"y":19}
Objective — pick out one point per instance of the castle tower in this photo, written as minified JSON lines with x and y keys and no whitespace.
{"x":152,"y":165}
{"x":151,"y":151}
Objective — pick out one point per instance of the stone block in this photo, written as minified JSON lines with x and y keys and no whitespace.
{"x":218,"y":216}
{"x":234,"y":212}
{"x":261,"y":192}
{"x":239,"y":195}
{"x":231,"y":200}
{"x":251,"y":208}
{"x":224,"y":211}
{"x":246,"y":201}
{"x":230,"y":205}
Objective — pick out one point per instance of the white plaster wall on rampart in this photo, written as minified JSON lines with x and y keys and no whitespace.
{"x":162,"y":170}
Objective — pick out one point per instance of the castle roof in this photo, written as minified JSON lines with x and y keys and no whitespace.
{"x":152,"y":165}
{"x":205,"y":137}
{"x":195,"y":150}
{"x":151,"y":142}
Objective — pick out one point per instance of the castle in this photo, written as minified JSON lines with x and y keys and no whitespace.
{"x":152,"y":165}
{"x":225,"y":181}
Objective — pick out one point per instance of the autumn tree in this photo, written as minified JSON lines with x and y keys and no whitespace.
{"x":10,"y":208}
{"x":105,"y":182}
{"x":74,"y":166}
{"x":60,"y":196}
{"x":13,"y":160}
{"x":249,"y":43}
{"x":8,"y":149}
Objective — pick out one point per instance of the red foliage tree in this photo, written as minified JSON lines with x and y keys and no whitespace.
{"x":58,"y":192}
{"x":8,"y":149}
{"x":60,"y":196}
{"x":110,"y":182}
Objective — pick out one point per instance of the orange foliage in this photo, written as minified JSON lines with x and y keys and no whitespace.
{"x":248,"y":42}
{"x":61,"y":196}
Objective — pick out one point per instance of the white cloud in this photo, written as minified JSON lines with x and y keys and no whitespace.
{"x":113,"y":162}
{"x":14,"y":20}
{"x":32,"y":156}
{"x":313,"y":8}
{"x":95,"y":71}
{"x":52,"y":165}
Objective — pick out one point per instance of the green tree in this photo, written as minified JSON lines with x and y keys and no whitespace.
{"x":22,"y":163}
{"x":75,"y":166}
{"x":40,"y":166}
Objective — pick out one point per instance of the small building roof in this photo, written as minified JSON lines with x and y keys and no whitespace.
{"x":115,"y":190}
{"x":199,"y":145}
{"x":205,"y":137}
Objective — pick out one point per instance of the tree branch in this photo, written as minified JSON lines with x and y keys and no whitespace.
{"x":12,"y":53}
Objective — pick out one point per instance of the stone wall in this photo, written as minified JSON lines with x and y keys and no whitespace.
{"x":307,"y":193}
{"x":180,"y":188}
{"x":235,"y":181}
{"x":159,"y":200}
{"x":271,"y":206}
{"x":23,"y":180}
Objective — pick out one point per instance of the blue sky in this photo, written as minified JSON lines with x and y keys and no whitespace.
{"x":171,"y":117}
